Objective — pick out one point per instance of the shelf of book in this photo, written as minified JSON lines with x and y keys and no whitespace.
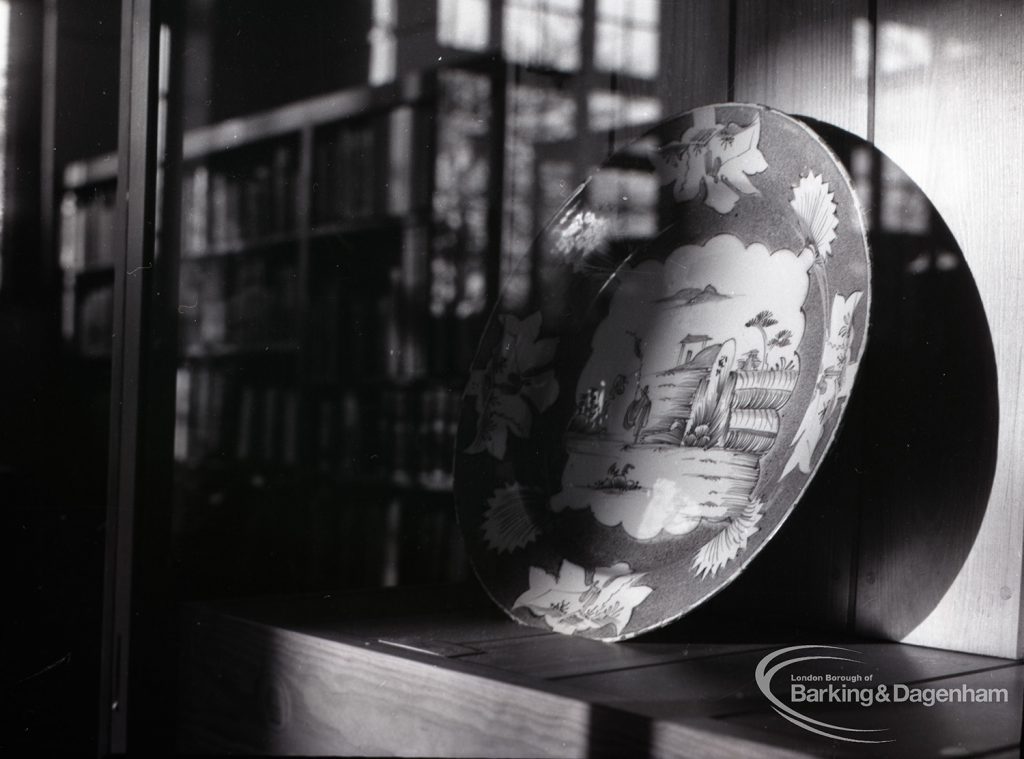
{"x":370,"y":223}
{"x":334,"y":274}
{"x":268,"y":245}
{"x":198,"y":353}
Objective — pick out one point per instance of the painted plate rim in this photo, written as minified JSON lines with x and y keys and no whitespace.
{"x":622,"y":586}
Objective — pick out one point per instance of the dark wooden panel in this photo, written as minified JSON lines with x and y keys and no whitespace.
{"x":562,"y":657}
{"x":694,"y":54}
{"x":807,"y":57}
{"x":459,"y":627}
{"x":257,"y":687}
{"x":950,"y":112}
{"x":253,"y":688}
{"x":725,"y":684}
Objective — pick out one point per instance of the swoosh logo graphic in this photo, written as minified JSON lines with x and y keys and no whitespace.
{"x":763,"y":676}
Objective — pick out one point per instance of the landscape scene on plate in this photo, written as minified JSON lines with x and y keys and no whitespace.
{"x":685,"y":389}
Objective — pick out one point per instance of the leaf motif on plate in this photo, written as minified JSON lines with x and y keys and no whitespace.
{"x":816,"y":210}
{"x":716,"y":157}
{"x":570,"y":603}
{"x":513,"y":385}
{"x":835,"y":377}
{"x":727,"y":544}
{"x":508,"y":522}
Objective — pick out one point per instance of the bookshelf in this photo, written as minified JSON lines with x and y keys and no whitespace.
{"x":86,"y":257}
{"x":334,"y":275}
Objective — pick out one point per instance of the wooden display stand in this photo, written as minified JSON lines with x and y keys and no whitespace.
{"x":441,"y":672}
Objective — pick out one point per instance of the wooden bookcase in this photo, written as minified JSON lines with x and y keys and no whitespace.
{"x":335,"y":271}
{"x":86,"y":255}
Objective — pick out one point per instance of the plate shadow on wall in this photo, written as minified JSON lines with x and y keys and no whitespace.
{"x":886,"y":525}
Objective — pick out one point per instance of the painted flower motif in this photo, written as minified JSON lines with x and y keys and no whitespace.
{"x":513,"y":385}
{"x":585,"y":233}
{"x":816,"y":211}
{"x":727,"y":544}
{"x":834,"y":380}
{"x":571,"y":604}
{"x":717,"y":157}
{"x":508,"y":524}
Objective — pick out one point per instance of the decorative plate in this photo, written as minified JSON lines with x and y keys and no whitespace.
{"x":638,"y":427}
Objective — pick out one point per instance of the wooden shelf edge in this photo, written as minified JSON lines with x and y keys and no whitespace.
{"x":238,"y":350}
{"x":369,"y":701}
{"x":80,"y":174}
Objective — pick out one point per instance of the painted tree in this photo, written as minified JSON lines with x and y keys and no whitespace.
{"x":762,"y":322}
{"x":781,"y":339}
{"x":751,"y":359}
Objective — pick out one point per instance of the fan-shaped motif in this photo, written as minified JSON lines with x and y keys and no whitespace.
{"x":508,"y":524}
{"x":815,"y":207}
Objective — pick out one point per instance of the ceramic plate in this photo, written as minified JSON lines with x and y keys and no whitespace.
{"x":637,"y":427}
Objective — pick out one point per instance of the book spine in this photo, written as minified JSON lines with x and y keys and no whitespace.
{"x":379,"y":453}
{"x":352,"y":463}
{"x":71,"y":260}
{"x":413,"y":296}
{"x":326,"y":435}
{"x":213,"y":308}
{"x":427,"y":471}
{"x":392,"y":543}
{"x":92,"y":223}
{"x":246,"y":423}
{"x":202,"y":413}
{"x":182,"y":396}
{"x":290,"y":433}
{"x":218,"y":209}
{"x":400,"y":150}
{"x":368,"y":165}
{"x":215,"y":420}
{"x":271,"y":424}
{"x":282,"y":201}
{"x":197,"y":211}
{"x":391,"y":314}
{"x":233,"y":210}
{"x":323,"y":189}
{"x":96,"y":322}
{"x":105,"y":229}
{"x":342,"y":174}
{"x":189,"y":308}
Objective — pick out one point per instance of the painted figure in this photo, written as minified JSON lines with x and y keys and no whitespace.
{"x":638,"y":413}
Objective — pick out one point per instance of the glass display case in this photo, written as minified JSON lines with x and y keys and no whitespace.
{"x":268,"y":269}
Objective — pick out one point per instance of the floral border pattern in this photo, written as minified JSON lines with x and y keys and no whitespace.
{"x":515,"y":384}
{"x":711,"y":162}
{"x":572,"y":603}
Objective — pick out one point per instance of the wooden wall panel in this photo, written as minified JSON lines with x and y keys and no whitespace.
{"x":941,"y":95}
{"x":694,"y":54}
{"x":950,"y":112}
{"x":807,"y":57}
